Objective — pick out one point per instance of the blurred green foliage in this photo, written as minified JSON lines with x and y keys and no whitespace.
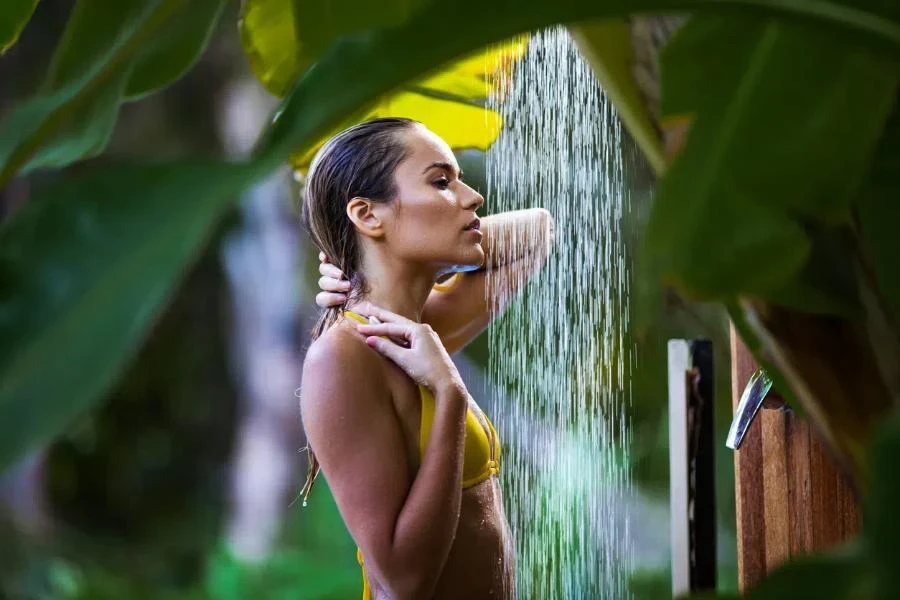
{"x":14,"y":15}
{"x":781,"y":197}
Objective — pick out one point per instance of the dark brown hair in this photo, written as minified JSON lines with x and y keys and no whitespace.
{"x":358,"y":162}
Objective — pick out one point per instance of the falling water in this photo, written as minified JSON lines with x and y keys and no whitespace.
{"x":559,"y":354}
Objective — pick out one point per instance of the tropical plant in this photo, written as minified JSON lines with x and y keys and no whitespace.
{"x":778,"y":202}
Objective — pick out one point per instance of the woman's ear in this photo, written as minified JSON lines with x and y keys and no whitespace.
{"x":361,"y":212}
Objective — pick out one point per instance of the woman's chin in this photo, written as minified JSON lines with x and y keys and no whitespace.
{"x":478,"y":255}
{"x":471,"y":261}
{"x":475,"y":262}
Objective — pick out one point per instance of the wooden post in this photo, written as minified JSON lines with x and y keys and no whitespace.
{"x":791,"y":499}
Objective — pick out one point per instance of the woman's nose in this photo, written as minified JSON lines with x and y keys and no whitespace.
{"x":474,"y":201}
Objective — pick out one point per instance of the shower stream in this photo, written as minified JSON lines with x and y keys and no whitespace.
{"x":560,"y":355}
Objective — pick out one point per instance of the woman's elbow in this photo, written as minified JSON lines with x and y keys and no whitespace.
{"x":415,"y":587}
{"x":547,"y":228}
{"x":404,"y":579}
{"x":410,"y":584}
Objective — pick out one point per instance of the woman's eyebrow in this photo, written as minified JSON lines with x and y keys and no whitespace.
{"x":443,"y":165}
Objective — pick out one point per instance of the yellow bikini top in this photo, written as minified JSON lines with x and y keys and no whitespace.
{"x":482,"y":446}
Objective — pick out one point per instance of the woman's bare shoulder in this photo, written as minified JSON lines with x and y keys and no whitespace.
{"x":340,"y":365}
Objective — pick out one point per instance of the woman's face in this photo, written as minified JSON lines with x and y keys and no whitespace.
{"x":426,"y":221}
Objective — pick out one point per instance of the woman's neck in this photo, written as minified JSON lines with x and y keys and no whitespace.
{"x":398,"y":288}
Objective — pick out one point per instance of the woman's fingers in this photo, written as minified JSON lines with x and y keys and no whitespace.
{"x":399,"y":330}
{"x":329,"y":270}
{"x":387,"y":348}
{"x":329,"y":284}
{"x":322,"y":257}
{"x":387,"y":316}
{"x":329,"y":299}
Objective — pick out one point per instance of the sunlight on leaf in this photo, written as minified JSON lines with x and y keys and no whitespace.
{"x":14,"y":15}
{"x":461,"y":124}
{"x":450,"y":102}
{"x":281,"y":38}
{"x":269,"y":38}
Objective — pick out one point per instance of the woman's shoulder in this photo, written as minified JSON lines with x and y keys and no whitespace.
{"x":340,"y":349}
{"x":340,"y":360}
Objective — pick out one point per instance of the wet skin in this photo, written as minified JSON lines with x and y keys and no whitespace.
{"x":481,"y":559}
{"x":375,"y":416}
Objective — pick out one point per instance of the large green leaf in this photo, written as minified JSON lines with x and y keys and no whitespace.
{"x":882,"y":527}
{"x":14,"y":15}
{"x":109,"y":49}
{"x":878,"y":209}
{"x":827,"y":283}
{"x":786,"y":117}
{"x":85,"y":267}
{"x":26,"y":127}
{"x":175,"y":49}
{"x":283,"y":37}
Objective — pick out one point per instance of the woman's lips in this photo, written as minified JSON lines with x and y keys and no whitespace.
{"x":475,"y":224}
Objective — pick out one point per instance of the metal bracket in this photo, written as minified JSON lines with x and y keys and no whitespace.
{"x":752,"y":398}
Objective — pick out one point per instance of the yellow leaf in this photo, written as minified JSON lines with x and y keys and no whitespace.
{"x":281,"y":38}
{"x":269,"y":39}
{"x":449,"y":102}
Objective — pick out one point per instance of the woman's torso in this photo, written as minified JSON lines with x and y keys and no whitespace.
{"x":481,"y":559}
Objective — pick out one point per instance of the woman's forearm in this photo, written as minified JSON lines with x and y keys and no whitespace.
{"x":427,"y":523}
{"x":513,"y":235}
{"x":516,"y":245}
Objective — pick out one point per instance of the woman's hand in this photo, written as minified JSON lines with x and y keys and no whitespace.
{"x":332,"y":283}
{"x":423,"y":357}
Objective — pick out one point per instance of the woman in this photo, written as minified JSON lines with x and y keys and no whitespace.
{"x":411,"y":459}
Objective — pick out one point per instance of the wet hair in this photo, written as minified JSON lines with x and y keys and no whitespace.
{"x":358,"y":162}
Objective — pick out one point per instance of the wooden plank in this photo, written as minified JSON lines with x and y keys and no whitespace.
{"x":799,"y":494}
{"x":791,"y":497}
{"x":748,"y":478}
{"x":776,"y":477}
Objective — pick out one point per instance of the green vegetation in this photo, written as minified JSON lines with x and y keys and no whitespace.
{"x":780,"y":204}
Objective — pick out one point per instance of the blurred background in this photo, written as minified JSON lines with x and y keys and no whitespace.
{"x":182,"y":483}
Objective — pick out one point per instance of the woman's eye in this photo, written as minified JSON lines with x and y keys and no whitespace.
{"x":442,"y":183}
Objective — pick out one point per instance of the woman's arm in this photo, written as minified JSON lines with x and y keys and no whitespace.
{"x":404,"y":528}
{"x":516,"y":245}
